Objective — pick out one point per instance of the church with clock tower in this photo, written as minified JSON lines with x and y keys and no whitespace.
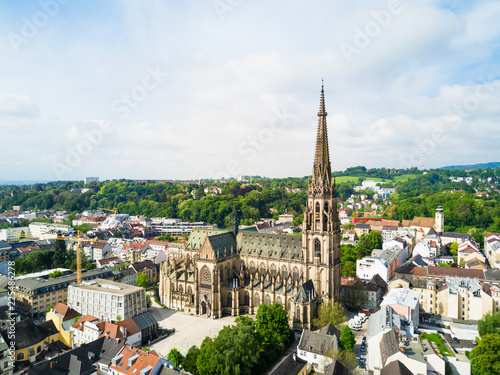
{"x":229,"y":272}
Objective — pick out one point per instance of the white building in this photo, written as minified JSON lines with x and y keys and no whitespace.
{"x":404,"y":302}
{"x":12,"y":234}
{"x":313,"y":345}
{"x":368,"y":267}
{"x":46,"y":231}
{"x":107,"y":299}
{"x":86,"y":180}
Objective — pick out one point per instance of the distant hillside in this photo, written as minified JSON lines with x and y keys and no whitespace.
{"x":491,"y":165}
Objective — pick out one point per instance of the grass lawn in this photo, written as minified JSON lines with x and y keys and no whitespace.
{"x":341,"y":179}
{"x":435,"y":338}
{"x":405,"y":177}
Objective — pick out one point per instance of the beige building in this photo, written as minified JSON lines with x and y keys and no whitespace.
{"x":226,"y":272}
{"x":106,"y":299}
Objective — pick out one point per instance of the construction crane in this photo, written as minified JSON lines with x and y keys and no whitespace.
{"x":115,"y":211}
{"x":79,"y":240}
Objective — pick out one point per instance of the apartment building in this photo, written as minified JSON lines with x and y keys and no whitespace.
{"x":34,"y":295}
{"x":107,"y":300}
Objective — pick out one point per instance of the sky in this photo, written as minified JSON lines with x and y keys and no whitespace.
{"x":156,"y":89}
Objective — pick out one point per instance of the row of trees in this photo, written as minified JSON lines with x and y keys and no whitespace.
{"x":485,"y":357}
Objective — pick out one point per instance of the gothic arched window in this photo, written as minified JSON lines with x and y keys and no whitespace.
{"x":317,"y":248}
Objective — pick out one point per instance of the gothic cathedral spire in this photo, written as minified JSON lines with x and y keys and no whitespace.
{"x":321,"y":183}
{"x":321,"y":226}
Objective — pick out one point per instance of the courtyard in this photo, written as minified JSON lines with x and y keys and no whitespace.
{"x":189,"y":330}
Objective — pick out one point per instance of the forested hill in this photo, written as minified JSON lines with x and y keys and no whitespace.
{"x":492,"y":165}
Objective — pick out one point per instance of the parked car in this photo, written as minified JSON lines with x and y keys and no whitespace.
{"x":473,"y":342}
{"x":364,"y":338}
{"x":363,"y":348}
{"x":457,"y":341}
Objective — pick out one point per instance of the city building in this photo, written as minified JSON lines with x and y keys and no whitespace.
{"x":133,"y":361}
{"x":34,"y":295}
{"x":232,"y":272}
{"x":404,"y":302}
{"x":107,"y":299}
{"x":86,"y":180}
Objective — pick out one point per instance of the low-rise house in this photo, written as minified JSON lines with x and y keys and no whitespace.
{"x":31,"y":339}
{"x":147,"y":267}
{"x":360,"y":294}
{"x":291,"y":365}
{"x":314,"y":345}
{"x":133,"y":361}
{"x":90,"y":328}
{"x":63,"y":317}
{"x":92,"y":358}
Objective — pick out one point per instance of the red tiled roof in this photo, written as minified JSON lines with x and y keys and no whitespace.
{"x":144,"y":359}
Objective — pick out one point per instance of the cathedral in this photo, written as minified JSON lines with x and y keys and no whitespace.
{"x":226,"y":272}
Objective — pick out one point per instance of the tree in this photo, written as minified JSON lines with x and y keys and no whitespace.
{"x":142,"y":280}
{"x":485,"y":357}
{"x":189,"y":362}
{"x":176,"y":357}
{"x":489,"y":323}
{"x":118,"y":318}
{"x":368,"y":242}
{"x":55,"y":274}
{"x":355,"y":296}
{"x":346,"y":358}
{"x":330,"y":313}
{"x":148,"y":301}
{"x":454,"y":249}
{"x":272,"y":320}
{"x":235,"y":350}
{"x":347,"y":339}
{"x":50,"y":308}
{"x":60,"y":252}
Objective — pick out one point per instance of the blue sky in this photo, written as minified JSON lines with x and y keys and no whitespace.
{"x":157,"y":89}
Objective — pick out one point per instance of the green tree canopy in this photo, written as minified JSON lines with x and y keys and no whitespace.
{"x":175,"y":357}
{"x":485,"y":357}
{"x":347,"y":339}
{"x":489,"y":323}
{"x":330,"y":313}
{"x":142,"y":280}
{"x":235,"y":350}
{"x":189,"y":363}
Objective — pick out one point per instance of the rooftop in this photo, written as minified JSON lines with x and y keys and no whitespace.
{"x":107,"y":286}
{"x":402,"y":296}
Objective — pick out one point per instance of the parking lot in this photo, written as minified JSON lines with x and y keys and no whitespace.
{"x":359,"y":338}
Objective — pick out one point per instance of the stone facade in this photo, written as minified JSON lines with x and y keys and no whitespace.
{"x":226,"y":272}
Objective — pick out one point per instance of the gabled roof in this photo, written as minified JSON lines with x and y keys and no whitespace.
{"x":65,"y":311}
{"x":395,"y":368}
{"x":425,"y":222}
{"x":316,"y":342}
{"x":291,"y":365}
{"x":388,"y":345}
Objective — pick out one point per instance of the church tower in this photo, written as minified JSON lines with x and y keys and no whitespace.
{"x":321,"y":227}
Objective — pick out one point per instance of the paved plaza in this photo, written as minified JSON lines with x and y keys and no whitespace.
{"x":189,"y":330}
